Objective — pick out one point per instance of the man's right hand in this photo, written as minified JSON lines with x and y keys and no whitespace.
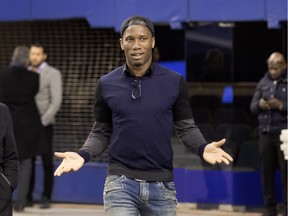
{"x":263,"y":104}
{"x":71,"y":162}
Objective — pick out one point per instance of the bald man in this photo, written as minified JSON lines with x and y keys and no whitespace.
{"x":270,"y":104}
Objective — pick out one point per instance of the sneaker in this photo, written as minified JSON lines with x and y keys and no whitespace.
{"x":269,"y":212}
{"x":282,"y":209}
{"x":29,"y":204}
{"x":19,"y":208}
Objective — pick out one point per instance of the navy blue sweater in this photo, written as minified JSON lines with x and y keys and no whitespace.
{"x":139,"y":130}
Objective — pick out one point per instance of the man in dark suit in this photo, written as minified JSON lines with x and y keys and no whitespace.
{"x":8,"y":162}
{"x":18,"y":87}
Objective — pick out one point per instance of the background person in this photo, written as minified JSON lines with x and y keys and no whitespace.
{"x":18,"y":88}
{"x":48,"y":100}
{"x":270,"y":104}
{"x":136,"y":108}
{"x":213,"y":66}
{"x":8,"y":161}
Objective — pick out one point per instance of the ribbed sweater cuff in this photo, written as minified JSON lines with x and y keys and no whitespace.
{"x":85,"y":155}
{"x":201,"y":150}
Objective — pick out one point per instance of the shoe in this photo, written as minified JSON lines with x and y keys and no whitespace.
{"x":284,"y":212}
{"x":45,"y":203}
{"x":270,"y":213}
{"x":282,"y":209}
{"x":19,"y":208}
{"x":29,"y":204}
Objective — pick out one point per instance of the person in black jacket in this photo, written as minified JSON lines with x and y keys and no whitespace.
{"x":18,"y":87}
{"x":8,"y":161}
{"x":270,"y":104}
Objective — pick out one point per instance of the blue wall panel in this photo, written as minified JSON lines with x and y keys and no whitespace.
{"x":15,"y":10}
{"x":276,"y":11}
{"x":103,"y":14}
{"x":84,"y":186}
{"x":110,"y":13}
{"x":54,"y":9}
{"x":165,"y":11}
{"x":193,"y":186}
{"x":226,"y":10}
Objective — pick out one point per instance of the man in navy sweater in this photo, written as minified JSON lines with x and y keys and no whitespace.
{"x":137,"y":106}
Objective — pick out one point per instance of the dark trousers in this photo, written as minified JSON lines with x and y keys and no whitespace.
{"x":271,"y":158}
{"x":48,"y":168}
{"x":6,"y":207}
{"x":25,"y":169}
{"x":5,"y":197}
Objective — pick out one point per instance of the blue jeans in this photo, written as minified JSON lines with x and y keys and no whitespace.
{"x":128,"y":197}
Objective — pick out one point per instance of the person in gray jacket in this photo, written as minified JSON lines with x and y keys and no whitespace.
{"x":48,"y":100}
{"x":8,"y":161}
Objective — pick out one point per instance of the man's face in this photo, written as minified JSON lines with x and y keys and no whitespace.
{"x":137,"y":43}
{"x":276,"y":69}
{"x":37,"y":56}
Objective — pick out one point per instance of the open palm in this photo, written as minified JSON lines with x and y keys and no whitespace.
{"x":214,"y":154}
{"x":71,"y":162}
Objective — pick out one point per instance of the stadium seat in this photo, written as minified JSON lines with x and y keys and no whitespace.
{"x":202,"y":115}
{"x":230,"y":116}
{"x":249,"y":156}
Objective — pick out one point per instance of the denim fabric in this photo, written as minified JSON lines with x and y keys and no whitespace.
{"x":129,"y":197}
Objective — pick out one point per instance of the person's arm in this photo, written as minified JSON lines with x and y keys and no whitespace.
{"x":258,"y":103}
{"x":189,"y":133}
{"x":96,"y":142}
{"x":99,"y":136}
{"x":186,"y":129}
{"x":10,"y":156}
{"x":55,"y":91}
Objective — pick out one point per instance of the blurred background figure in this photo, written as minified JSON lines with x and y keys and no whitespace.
{"x":8,"y":161}
{"x":156,"y":54}
{"x":270,"y":104}
{"x":213,"y":66}
{"x":48,"y":100}
{"x":18,"y":88}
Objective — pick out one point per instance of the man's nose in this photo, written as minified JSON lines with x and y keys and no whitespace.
{"x":136,"y":44}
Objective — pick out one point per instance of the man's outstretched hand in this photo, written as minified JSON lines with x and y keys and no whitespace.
{"x":214,"y":154}
{"x":71,"y":162}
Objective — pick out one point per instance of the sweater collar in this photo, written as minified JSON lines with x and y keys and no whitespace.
{"x":148,"y":72}
{"x":39,"y":69}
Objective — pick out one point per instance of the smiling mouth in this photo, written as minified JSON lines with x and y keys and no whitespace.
{"x":137,"y":55}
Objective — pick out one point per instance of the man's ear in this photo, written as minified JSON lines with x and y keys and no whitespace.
{"x":153,"y":42}
{"x":45,"y":57}
{"x":120,"y":41}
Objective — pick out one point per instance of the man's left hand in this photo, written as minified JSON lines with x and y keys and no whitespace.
{"x":274,"y":103}
{"x":214,"y":154}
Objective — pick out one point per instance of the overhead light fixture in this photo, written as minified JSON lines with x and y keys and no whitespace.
{"x":226,"y":24}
